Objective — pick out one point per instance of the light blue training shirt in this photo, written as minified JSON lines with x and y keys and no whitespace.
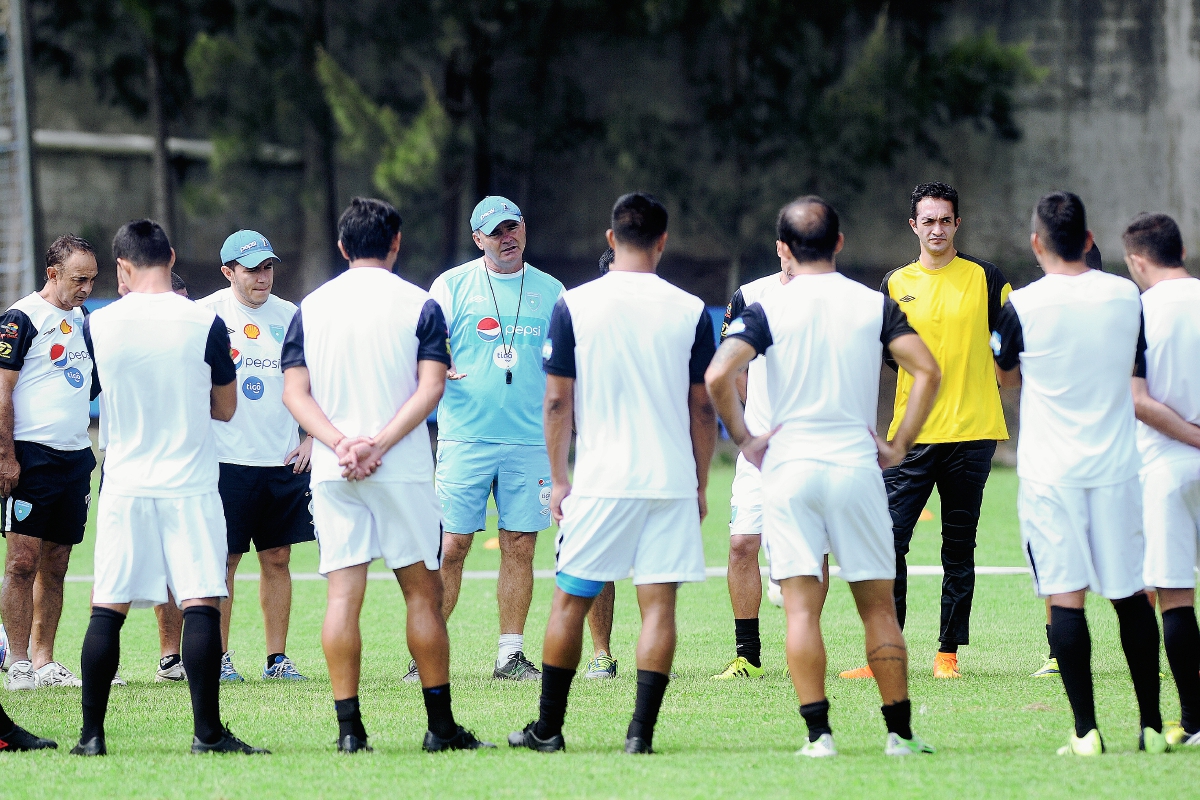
{"x":488,"y":338}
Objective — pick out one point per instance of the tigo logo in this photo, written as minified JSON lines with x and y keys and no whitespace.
{"x":64,"y":327}
{"x":252,"y":387}
{"x":488,"y":329}
{"x":58,"y":354}
{"x":251,"y":330}
{"x":236,"y":355}
{"x":73,"y":376}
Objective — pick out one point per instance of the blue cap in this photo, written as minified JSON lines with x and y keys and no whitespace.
{"x":491,"y":211}
{"x":248,"y":248}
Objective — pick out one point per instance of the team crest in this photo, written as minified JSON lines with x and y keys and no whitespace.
{"x":534,"y":300}
{"x":21,"y":509}
{"x":277,"y":333}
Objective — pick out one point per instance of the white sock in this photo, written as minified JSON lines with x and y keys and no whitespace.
{"x":510,"y":645}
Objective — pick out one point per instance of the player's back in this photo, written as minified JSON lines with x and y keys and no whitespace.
{"x":359,"y":339}
{"x":153,"y":356}
{"x":1079,"y":340}
{"x":1172,"y":313}
{"x":634,"y":335}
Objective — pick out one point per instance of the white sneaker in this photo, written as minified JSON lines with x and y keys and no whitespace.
{"x":118,"y":680}
{"x":821,"y":748}
{"x":21,"y":677}
{"x":55,"y":674}
{"x":170,"y":670}
{"x":896,"y":746}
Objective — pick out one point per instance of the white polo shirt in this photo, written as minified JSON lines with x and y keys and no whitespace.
{"x":758,"y":406}
{"x":1172,"y":368}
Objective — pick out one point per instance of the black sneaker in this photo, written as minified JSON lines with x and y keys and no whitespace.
{"x":462,"y":739}
{"x":18,"y":740}
{"x":517,"y":668}
{"x":352,"y":744}
{"x":635,"y":745}
{"x":412,"y":676}
{"x":92,"y":747}
{"x":527,"y":738}
{"x":228,"y":743}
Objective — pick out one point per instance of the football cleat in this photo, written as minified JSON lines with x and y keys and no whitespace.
{"x":19,"y":740}
{"x":1153,"y":742}
{"x":636,"y":745}
{"x":170,"y":669}
{"x":1048,"y":670}
{"x":283,"y":669}
{"x":21,"y":677}
{"x":602,"y":665}
{"x":1089,"y":745}
{"x":861,"y":672}
{"x":462,"y":739}
{"x":54,"y":674}
{"x":118,"y":680}
{"x":739,"y":668}
{"x":92,"y":747}
{"x":352,"y":744}
{"x":528,"y":738}
{"x":4,"y":651}
{"x":896,"y":746}
{"x":822,"y":748}
{"x":412,"y":676}
{"x":1176,"y":736}
{"x":228,"y":673}
{"x":518,"y":668}
{"x":228,"y":743}
{"x":945,"y":665}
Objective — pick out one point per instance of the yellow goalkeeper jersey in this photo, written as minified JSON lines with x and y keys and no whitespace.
{"x":954,"y":309}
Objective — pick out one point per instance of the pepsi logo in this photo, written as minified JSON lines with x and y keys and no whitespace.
{"x":236,"y":355}
{"x":488,"y":329}
{"x":252,"y":387}
{"x":73,"y":376}
{"x":58,"y":354}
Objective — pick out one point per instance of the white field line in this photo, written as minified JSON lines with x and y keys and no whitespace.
{"x":491,"y":575}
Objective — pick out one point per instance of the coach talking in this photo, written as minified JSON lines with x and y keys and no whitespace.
{"x":46,"y":458}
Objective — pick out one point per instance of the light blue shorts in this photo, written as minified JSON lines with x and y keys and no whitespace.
{"x":518,"y":475}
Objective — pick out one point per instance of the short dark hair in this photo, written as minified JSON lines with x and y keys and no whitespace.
{"x":809,"y":227}
{"x":177,"y":283}
{"x":367,"y":227}
{"x":143,"y":243}
{"x":936,"y":190}
{"x":606,"y":259}
{"x":1156,"y":237}
{"x":1061,"y":218}
{"x":64,"y":247}
{"x":638,"y":220}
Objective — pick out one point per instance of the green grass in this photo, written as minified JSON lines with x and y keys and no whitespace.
{"x":996,"y":729}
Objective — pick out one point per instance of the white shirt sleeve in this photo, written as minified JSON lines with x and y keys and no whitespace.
{"x":440,"y":292}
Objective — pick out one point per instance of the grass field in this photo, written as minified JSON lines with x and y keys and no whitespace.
{"x":996,"y":729}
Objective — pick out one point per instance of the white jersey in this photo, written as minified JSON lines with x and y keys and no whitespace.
{"x":758,"y":408}
{"x":262,"y":432}
{"x":635,"y":345}
{"x":157,"y":358}
{"x":361,"y":335}
{"x":1172,"y":369}
{"x":1076,"y":338}
{"x":50,"y":401}
{"x":823,"y":338}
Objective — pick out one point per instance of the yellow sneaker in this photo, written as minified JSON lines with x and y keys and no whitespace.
{"x":1048,"y":670}
{"x":1174,"y":733}
{"x":1153,"y":742}
{"x":739,"y":668}
{"x":945,"y":665}
{"x":861,"y":672}
{"x":1089,"y":745}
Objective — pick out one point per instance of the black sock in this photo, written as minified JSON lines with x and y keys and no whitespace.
{"x":201,"y":654}
{"x":166,"y":662}
{"x":947,"y":648}
{"x":98,"y":662}
{"x":1073,"y":645}
{"x":1182,"y":638}
{"x":349,"y":718}
{"x":816,"y":717}
{"x":437,"y":708}
{"x":271,"y":659}
{"x":651,"y":686}
{"x":552,"y":708}
{"x":749,"y":646}
{"x":1049,"y":640}
{"x":898,"y":718}
{"x":1139,"y":640}
{"x":6,"y":723}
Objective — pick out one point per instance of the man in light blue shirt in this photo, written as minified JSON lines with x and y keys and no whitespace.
{"x":490,"y":439}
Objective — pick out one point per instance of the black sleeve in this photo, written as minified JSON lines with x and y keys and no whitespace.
{"x":558,"y":352}
{"x":732,"y":311}
{"x":16,"y":335}
{"x":1007,"y":339}
{"x":895,"y":322}
{"x":216,"y":354}
{"x":1139,"y":355}
{"x":292,"y":354}
{"x":753,"y":329}
{"x":996,"y":284}
{"x":87,"y":341}
{"x":703,"y":348}
{"x":433,"y":339}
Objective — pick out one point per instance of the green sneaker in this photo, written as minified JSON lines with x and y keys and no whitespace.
{"x":602,"y":665}
{"x":895,"y":746}
{"x":1048,"y":670}
{"x":1153,"y":742}
{"x":517,"y":668}
{"x":1089,"y":745}
{"x":739,"y":668}
{"x":822,"y":748}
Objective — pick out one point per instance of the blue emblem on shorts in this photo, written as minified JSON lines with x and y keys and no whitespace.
{"x":252,"y":387}
{"x":277,"y":333}
{"x":994,"y":341}
{"x":21,"y":509}
{"x":73,"y":376}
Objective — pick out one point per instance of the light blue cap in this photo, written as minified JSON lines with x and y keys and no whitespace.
{"x":491,"y":211}
{"x":248,"y":248}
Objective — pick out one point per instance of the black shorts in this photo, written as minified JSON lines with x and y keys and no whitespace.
{"x":51,"y":498}
{"x":265,"y":505}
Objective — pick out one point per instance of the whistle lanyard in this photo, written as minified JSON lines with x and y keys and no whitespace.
{"x":508,"y":347}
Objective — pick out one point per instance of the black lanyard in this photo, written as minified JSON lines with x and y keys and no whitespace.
{"x":516,"y":321}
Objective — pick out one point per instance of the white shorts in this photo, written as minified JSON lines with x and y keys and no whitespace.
{"x":811,"y":508}
{"x":603,"y":538}
{"x":1171,"y":516}
{"x":359,"y":521}
{"x":1083,"y":538}
{"x":745,"y":506}
{"x":145,"y":545}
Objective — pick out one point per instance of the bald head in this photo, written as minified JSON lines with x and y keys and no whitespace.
{"x":809,"y":228}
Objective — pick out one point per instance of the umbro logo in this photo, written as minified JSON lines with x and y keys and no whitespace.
{"x":229,"y":330}
{"x":908,"y":298}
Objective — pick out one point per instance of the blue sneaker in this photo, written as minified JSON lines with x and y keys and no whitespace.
{"x":228,"y":673}
{"x":282,"y":669}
